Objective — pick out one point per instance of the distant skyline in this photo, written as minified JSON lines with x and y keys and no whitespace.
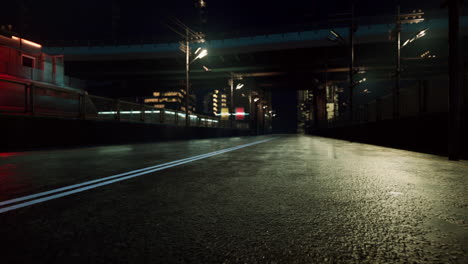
{"x":130,"y":20}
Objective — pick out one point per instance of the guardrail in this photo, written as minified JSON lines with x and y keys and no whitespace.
{"x":32,"y":99}
{"x":419,"y":99}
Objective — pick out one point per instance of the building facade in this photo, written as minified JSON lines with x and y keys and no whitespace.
{"x":171,"y":99}
{"x":214,"y":102}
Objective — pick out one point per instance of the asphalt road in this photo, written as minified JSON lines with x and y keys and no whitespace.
{"x":292,"y":199}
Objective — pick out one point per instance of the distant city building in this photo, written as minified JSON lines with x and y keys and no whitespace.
{"x":27,"y":72}
{"x":214,"y":102}
{"x":171,"y":99}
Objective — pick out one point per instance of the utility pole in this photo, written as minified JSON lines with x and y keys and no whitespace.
{"x":352,"y":29}
{"x":411,"y":18}
{"x":455,"y":82}
{"x":396,"y":89}
{"x":231,"y":108}
{"x":250,"y":107}
{"x":187,"y":80}
{"x":188,"y":36}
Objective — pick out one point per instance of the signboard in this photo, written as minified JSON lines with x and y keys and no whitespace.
{"x":240,"y":113}
{"x":224,"y":113}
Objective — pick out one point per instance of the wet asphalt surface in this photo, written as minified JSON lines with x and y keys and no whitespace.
{"x":295,"y":199}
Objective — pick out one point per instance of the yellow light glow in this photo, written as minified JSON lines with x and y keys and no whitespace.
{"x":27,"y":42}
{"x":172,"y":94}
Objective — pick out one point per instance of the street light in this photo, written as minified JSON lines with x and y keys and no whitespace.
{"x":419,"y":35}
{"x":336,"y":37}
{"x":200,"y":53}
{"x":239,"y":86}
{"x":411,"y":18}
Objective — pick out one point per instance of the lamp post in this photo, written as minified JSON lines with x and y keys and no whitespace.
{"x":200,"y":53}
{"x":415,"y":17}
{"x":239,"y":86}
{"x":352,"y":30}
{"x":335,"y":37}
{"x":187,"y":78}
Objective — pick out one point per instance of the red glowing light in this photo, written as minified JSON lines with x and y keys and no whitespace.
{"x":9,"y":154}
{"x":240,"y":114}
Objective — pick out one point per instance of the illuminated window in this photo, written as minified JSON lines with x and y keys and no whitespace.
{"x":156,"y":94}
{"x":159,"y":106}
{"x":223,"y":96}
{"x":152,"y":100}
{"x":172,"y":94}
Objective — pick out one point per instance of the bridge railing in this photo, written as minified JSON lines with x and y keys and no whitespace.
{"x":24,"y":98}
{"x":418,"y":99}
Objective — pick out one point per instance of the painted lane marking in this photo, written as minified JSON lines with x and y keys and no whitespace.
{"x":32,"y":196}
{"x":111,"y":179}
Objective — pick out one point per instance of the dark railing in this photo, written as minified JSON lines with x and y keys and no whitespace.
{"x":416,"y":101}
{"x":22,"y":98}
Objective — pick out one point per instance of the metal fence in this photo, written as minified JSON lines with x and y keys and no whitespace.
{"x":416,"y":100}
{"x":17,"y":97}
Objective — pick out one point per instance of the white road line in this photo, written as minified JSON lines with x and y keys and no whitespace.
{"x":111,"y":179}
{"x":28,"y":197}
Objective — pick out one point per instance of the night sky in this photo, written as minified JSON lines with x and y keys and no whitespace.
{"x":137,"y":20}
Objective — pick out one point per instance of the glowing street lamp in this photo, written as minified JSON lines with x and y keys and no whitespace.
{"x":239,"y":86}
{"x":412,"y":18}
{"x":419,"y":35}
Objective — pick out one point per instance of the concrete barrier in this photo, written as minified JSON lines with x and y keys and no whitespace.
{"x":428,"y":133}
{"x":26,"y":132}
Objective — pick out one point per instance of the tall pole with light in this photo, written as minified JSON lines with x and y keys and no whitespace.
{"x":238,"y":86}
{"x":199,"y":54}
{"x":189,"y":36}
{"x":352,"y":30}
{"x":415,"y":17}
{"x":231,"y":108}
{"x":187,"y":78}
{"x":336,"y":37}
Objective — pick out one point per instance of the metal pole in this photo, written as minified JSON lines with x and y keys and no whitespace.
{"x":455,"y":74}
{"x":231,"y":110}
{"x":396,"y":90}
{"x":187,"y":80}
{"x":263,"y":120}
{"x":315,"y":106}
{"x":250,"y":108}
{"x":351,"y":66}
